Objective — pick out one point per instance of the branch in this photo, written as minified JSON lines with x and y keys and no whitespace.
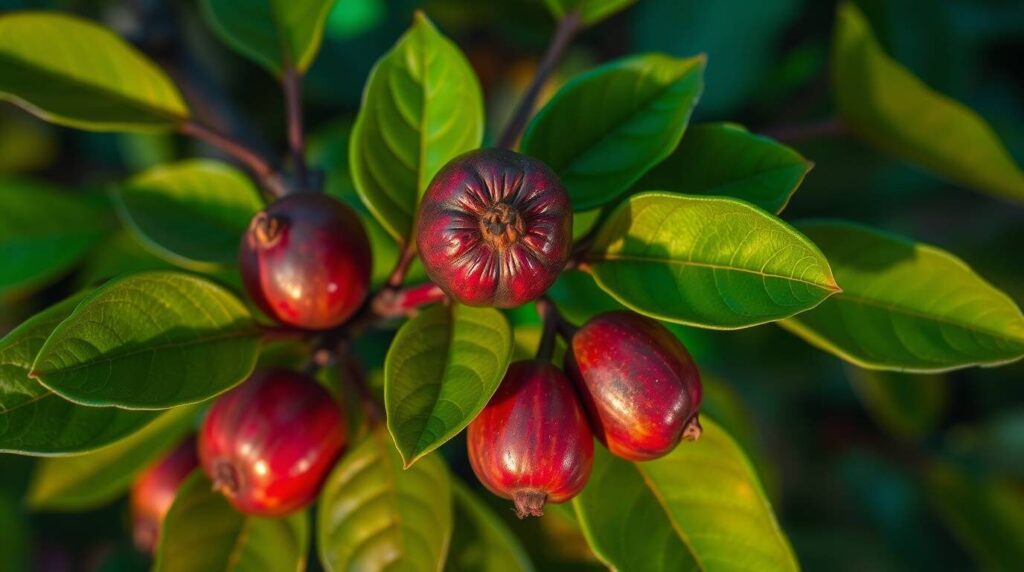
{"x":831,"y":127}
{"x":291,"y":80}
{"x":261,"y":168}
{"x":567,"y":29}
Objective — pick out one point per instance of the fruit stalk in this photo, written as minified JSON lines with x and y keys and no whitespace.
{"x":261,"y":167}
{"x":291,"y":81}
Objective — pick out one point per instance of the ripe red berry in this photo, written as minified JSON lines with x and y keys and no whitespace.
{"x":153,"y":492}
{"x":531,"y":443}
{"x":638,"y":383}
{"x":494,"y":228}
{"x":305,"y":261}
{"x":269,"y":443}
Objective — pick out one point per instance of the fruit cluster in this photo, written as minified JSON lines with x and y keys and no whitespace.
{"x":494,"y":229}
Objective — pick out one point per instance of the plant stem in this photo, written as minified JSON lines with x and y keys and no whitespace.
{"x":261,"y":168}
{"x":408,"y":300}
{"x":547,"y":310}
{"x":830,"y":127}
{"x":567,"y":29}
{"x":291,"y":80}
{"x":397,"y":276}
{"x":354,"y":373}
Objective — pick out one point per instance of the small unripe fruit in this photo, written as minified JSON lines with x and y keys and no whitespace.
{"x":153,"y":493}
{"x":494,"y":228}
{"x":640,"y":386}
{"x":268,"y":444}
{"x":305,"y":261}
{"x":531,"y":443}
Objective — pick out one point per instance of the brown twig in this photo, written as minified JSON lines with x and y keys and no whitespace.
{"x":291,"y":81}
{"x":568,"y":27}
{"x":261,"y":167}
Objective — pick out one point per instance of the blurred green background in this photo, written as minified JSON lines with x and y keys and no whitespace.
{"x":866,"y":471}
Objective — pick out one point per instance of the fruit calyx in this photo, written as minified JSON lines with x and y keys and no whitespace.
{"x":266,"y":230}
{"x":693,"y":430}
{"x":502,"y":225}
{"x":226,"y":478}
{"x":529,"y":502}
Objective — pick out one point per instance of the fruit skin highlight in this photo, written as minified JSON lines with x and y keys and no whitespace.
{"x":494,"y":228}
{"x":531,"y":443}
{"x":268,"y":444}
{"x":153,"y":493}
{"x":306,"y":262}
{"x":641,"y":388}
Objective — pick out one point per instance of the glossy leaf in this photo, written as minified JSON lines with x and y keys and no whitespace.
{"x":277,"y":34}
{"x":34,"y":420}
{"x":907,"y":306}
{"x":373,"y":515}
{"x":905,"y":405}
{"x":725,"y":159}
{"x":700,"y":507}
{"x":606,"y":128}
{"x":87,"y":481}
{"x":441,"y":370}
{"x":883,"y":102}
{"x":591,"y":11}
{"x":150,"y":341}
{"x":481,"y":541}
{"x":422,"y":107}
{"x":227,"y":539}
{"x":73,"y":72}
{"x":191,"y":213}
{"x":710,"y":262}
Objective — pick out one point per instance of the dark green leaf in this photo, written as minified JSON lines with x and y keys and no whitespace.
{"x":277,"y":34}
{"x":907,"y":306}
{"x":883,"y":102}
{"x":591,"y":11}
{"x":606,"y":128}
{"x":86,"y":481}
{"x":422,"y":107}
{"x":709,"y":262}
{"x":725,"y":159}
{"x":203,"y":532}
{"x":441,"y":370}
{"x":150,"y":341}
{"x":700,"y":507}
{"x":481,"y":541}
{"x":373,"y":515}
{"x":73,"y":72}
{"x":192,"y":213}
{"x":906,"y":405}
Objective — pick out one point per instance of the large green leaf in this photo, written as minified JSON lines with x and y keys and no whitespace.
{"x":907,"y":306}
{"x":906,"y":405}
{"x":277,"y":34}
{"x":43,"y":232}
{"x":710,"y":262}
{"x":374,"y":516}
{"x":86,"y":481}
{"x":727,"y":160}
{"x":34,"y":420}
{"x":73,"y":72}
{"x":150,"y":341}
{"x":192,"y":213}
{"x":481,"y":541}
{"x":606,"y":128}
{"x":227,"y":539}
{"x":700,"y":507}
{"x":883,"y":102}
{"x":590,"y":11}
{"x":422,"y":107}
{"x":440,"y":372}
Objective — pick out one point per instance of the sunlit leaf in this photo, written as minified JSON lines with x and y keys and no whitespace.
{"x":590,"y":11}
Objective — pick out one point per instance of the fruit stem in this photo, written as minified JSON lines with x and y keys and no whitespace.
{"x":291,"y":81}
{"x":261,"y":168}
{"x":829,"y":127}
{"x":568,"y":27}
{"x":529,"y":502}
{"x":549,"y":314}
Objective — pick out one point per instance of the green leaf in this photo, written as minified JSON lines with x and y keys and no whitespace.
{"x":150,"y":341}
{"x":34,"y":420}
{"x":710,"y":262}
{"x":277,"y":34}
{"x":606,"y":128}
{"x":43,"y":232}
{"x":373,"y":515}
{"x":87,"y":481}
{"x":441,"y":370}
{"x":725,"y":159}
{"x":421,"y":108}
{"x":226,"y":538}
{"x":907,"y":306}
{"x":700,"y":507}
{"x":905,"y":405}
{"x":591,"y":11}
{"x":884,"y":103}
{"x":73,"y":72}
{"x":191,"y":213}
{"x":482,"y":542}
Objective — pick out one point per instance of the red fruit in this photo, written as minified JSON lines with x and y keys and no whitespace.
{"x":532,"y":443}
{"x":494,"y":228}
{"x":269,"y":443}
{"x":153,"y":493}
{"x":639,"y":384}
{"x":306,"y":261}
